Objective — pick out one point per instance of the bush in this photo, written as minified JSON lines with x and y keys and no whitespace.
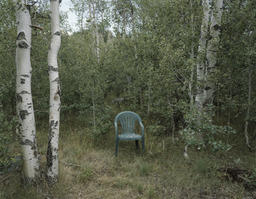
{"x":204,"y":133}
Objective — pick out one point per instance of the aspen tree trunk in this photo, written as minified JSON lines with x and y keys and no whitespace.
{"x":96,"y":32}
{"x":24,"y":105}
{"x":93,"y":107}
{"x":92,"y":16}
{"x":192,"y":56}
{"x":247,"y":141}
{"x":229,"y":107}
{"x":149,"y":97}
{"x":136,"y":63}
{"x":201,"y":65}
{"x":97,"y":52}
{"x":173,"y":129}
{"x":54,"y":115}
{"x":190,"y":85}
{"x":212,"y":48}
{"x":207,"y":52}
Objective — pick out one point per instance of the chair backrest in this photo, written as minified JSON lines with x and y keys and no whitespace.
{"x":127,"y":120}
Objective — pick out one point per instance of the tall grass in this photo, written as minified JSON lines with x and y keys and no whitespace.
{"x":89,"y":169}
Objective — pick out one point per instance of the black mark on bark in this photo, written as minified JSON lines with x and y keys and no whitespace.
{"x":51,"y":124}
{"x":22,"y":81}
{"x":27,"y":142}
{"x":51,"y":68}
{"x":20,"y":6}
{"x":19,"y":128}
{"x":207,"y":88}
{"x":217,"y":27}
{"x":24,"y":92}
{"x":56,"y":124}
{"x":23,"y":44}
{"x":21,"y":36}
{"x":18,"y":98}
{"x":23,"y":114}
{"x":49,"y":155}
{"x":57,"y":33}
{"x":56,"y":80}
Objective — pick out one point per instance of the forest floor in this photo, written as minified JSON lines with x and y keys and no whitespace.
{"x":89,"y":170}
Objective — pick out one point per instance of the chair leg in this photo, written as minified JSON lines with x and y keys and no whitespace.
{"x":143,"y":144}
{"x":137,"y":144}
{"x":117,"y":143}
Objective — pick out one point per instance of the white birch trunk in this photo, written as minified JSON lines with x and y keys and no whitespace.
{"x":97,"y":43}
{"x":192,"y":56}
{"x":93,"y":108}
{"x":207,"y":55}
{"x":96,"y":33}
{"x":149,"y":97}
{"x":185,"y":154}
{"x":25,"y":110}
{"x":247,"y":140}
{"x":201,"y":65}
{"x":54,"y":115}
{"x":212,"y":48}
{"x":173,"y":129}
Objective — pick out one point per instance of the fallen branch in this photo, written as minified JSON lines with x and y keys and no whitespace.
{"x":36,"y":27}
{"x":69,"y":164}
{"x":4,"y":179}
{"x":243,"y":176}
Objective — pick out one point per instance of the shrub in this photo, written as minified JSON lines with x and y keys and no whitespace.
{"x":204,"y":133}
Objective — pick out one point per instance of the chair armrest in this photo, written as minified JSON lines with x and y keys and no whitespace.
{"x":142,"y":128}
{"x":116,"y":128}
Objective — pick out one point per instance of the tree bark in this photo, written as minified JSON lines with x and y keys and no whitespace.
{"x":207,"y":51}
{"x":93,"y":108}
{"x":192,"y":56}
{"x":96,"y":32}
{"x":212,"y":48}
{"x":247,"y":141}
{"x":54,"y":115}
{"x":201,"y":65}
{"x":149,"y":98}
{"x":24,"y":105}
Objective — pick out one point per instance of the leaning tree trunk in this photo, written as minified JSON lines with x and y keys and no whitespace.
{"x":54,"y":115}
{"x":25,"y":110}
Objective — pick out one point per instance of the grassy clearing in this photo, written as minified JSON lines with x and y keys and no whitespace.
{"x":89,"y":170}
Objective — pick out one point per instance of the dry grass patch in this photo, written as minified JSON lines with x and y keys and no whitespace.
{"x":90,"y":170}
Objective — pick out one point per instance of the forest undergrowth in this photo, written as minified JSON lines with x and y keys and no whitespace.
{"x":89,"y":169}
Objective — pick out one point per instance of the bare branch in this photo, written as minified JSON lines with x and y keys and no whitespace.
{"x":36,"y":27}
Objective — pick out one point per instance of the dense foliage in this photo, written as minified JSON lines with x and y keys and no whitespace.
{"x":144,"y":65}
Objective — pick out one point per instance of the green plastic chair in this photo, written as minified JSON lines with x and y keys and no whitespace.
{"x":127,"y":119}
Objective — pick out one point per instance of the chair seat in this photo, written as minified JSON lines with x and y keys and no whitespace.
{"x":129,"y":136}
